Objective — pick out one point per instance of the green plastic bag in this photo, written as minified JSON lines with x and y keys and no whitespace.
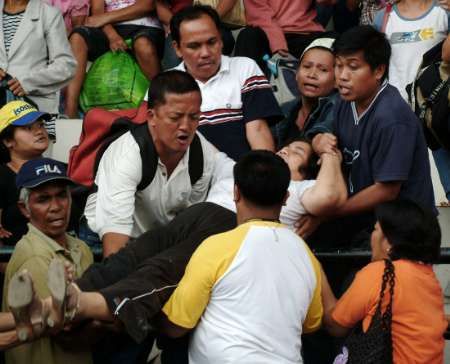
{"x":114,"y":81}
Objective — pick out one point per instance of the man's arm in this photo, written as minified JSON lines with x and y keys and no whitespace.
{"x":329,"y":191}
{"x":139,"y":9}
{"x":368,"y":198}
{"x":116,"y":42}
{"x":259,"y":135}
{"x":110,"y":212}
{"x":329,"y":303}
{"x":259,"y":13}
{"x":113,"y":242}
{"x":224,"y":6}
{"x":167,"y":327}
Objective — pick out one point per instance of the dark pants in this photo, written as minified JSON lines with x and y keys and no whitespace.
{"x":139,"y":279}
{"x":252,"y":42}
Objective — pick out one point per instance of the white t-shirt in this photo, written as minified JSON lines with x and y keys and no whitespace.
{"x":221,"y":192}
{"x":118,"y":207}
{"x":410,"y":39}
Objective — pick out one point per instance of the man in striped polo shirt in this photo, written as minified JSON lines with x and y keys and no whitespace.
{"x":237,"y":100}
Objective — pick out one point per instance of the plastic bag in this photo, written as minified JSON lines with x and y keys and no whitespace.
{"x":114,"y":81}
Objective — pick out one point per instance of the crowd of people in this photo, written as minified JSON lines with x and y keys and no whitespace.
{"x":211,"y":252}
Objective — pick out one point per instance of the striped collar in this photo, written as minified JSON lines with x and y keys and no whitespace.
{"x":357,"y":118}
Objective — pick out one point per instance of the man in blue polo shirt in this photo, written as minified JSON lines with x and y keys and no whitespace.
{"x":384,"y":149}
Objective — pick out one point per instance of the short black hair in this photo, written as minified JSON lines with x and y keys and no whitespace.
{"x":374,"y":45}
{"x":193,"y":12}
{"x":412,"y":230}
{"x":175,"y":82}
{"x":6,"y":134}
{"x":262,"y":178}
{"x":311,"y":170}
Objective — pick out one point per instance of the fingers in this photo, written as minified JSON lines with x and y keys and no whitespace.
{"x":4,"y":234}
{"x":15,"y":87}
{"x":325,"y":143}
{"x":301,"y":225}
{"x":69,"y":271}
{"x":118,"y":45}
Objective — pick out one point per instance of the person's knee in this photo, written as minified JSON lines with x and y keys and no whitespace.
{"x":144,"y":48}
{"x":78,"y":43}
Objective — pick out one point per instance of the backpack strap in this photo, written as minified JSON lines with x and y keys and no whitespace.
{"x":149,"y":156}
{"x":195,"y":160}
{"x":387,"y":12}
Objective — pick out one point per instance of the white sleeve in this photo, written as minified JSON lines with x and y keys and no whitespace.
{"x":118,"y":175}
{"x":294,"y":208}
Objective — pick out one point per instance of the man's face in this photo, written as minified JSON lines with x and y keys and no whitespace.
{"x":355,"y":80}
{"x":315,"y":76}
{"x":200,"y":47}
{"x":296,"y":155}
{"x":49,"y":208}
{"x":174,"y":123}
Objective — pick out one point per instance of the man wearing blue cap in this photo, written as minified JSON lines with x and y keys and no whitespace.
{"x":45,"y":201}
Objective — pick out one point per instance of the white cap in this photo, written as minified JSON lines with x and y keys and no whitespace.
{"x":326,"y":43}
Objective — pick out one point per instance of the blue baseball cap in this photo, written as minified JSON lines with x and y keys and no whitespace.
{"x":38,"y":171}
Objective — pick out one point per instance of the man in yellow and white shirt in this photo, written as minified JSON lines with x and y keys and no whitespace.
{"x":250,"y":292}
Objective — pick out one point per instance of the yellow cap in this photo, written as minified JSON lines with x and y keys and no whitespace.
{"x":19,"y":113}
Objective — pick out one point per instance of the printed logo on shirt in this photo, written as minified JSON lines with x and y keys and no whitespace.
{"x":349,"y":158}
{"x":412,"y":37}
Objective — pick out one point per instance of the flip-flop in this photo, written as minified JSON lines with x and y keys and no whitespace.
{"x":20,"y":297}
{"x":57,"y":284}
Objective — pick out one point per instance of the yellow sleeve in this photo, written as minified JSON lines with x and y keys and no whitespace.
{"x":313,"y":320}
{"x":207,"y":265}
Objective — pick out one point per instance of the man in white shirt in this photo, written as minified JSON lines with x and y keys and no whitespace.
{"x":119,"y":210}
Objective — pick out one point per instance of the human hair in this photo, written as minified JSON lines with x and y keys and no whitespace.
{"x":6,"y":134}
{"x":311,"y":169}
{"x":374,"y":45}
{"x":24,"y":196}
{"x":24,"y":193}
{"x":262,"y":178}
{"x":193,"y":12}
{"x":412,"y":231}
{"x":175,"y":82}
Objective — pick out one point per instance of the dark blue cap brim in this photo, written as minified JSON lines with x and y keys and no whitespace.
{"x":30,"y":118}
{"x":46,"y":179}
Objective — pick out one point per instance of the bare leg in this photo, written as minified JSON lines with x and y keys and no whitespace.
{"x":7,"y":321}
{"x":93,"y":306}
{"x":8,"y":340}
{"x":147,"y":57}
{"x":80,"y":51}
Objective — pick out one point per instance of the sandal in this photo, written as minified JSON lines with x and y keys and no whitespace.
{"x":65,"y":294}
{"x":24,"y":304}
{"x":57,"y":285}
